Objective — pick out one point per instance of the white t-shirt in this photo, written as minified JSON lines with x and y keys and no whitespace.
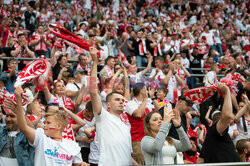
{"x":137,"y":78}
{"x":172,"y":86}
{"x":158,"y":78}
{"x":210,"y":78}
{"x":176,"y":48}
{"x":80,"y":133}
{"x":55,"y":153}
{"x":114,"y":140}
{"x":209,"y":37}
{"x":74,"y":88}
{"x":8,"y":161}
{"x":240,"y":128}
{"x":216,"y":36}
{"x":94,"y":154}
{"x":87,"y":4}
{"x":166,"y":47}
{"x":7,"y":2}
{"x":134,"y":104}
{"x":185,"y":62}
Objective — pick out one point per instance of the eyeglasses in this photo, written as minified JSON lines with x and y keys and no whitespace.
{"x":53,"y":104}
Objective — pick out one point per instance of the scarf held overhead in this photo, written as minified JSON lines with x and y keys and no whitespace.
{"x":75,"y":41}
{"x":199,"y":95}
{"x":38,"y":70}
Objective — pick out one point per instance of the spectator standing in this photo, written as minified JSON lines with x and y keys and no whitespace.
{"x":218,"y":146}
{"x":40,"y":42}
{"x":109,"y":126}
{"x":9,"y":76}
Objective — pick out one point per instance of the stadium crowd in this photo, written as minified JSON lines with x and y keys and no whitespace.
{"x":173,"y":87}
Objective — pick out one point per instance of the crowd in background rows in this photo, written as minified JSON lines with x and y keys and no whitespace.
{"x":152,"y":47}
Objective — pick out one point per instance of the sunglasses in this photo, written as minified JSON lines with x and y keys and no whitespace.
{"x":53,"y":104}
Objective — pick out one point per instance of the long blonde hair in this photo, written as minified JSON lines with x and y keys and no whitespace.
{"x":148,"y":130}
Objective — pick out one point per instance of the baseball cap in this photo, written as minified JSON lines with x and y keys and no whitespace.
{"x":81,"y":71}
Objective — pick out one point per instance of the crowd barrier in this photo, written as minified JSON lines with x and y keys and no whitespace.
{"x":141,"y":68}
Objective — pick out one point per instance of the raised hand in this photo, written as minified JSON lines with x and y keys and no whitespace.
{"x":223,"y":88}
{"x":177,"y":118}
{"x":168,"y":114}
{"x":93,"y":52}
{"x":18,"y":91}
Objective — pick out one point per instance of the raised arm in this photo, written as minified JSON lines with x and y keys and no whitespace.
{"x":80,"y":95}
{"x":139,"y":112}
{"x":79,"y":121}
{"x":244,"y":109}
{"x":53,"y":58}
{"x":93,"y":88}
{"x":150,"y":60}
{"x":183,"y":144}
{"x":209,"y":121}
{"x":227,"y":111}
{"x":47,"y":93}
{"x":4,"y":24}
{"x":27,"y":131}
{"x":178,"y":79}
{"x":187,"y":74}
{"x":110,"y":84}
{"x":126,"y":83}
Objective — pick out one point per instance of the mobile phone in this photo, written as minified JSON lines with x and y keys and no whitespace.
{"x":161,"y":110}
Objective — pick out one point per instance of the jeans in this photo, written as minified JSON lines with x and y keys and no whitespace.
{"x":212,"y":47}
{"x":219,"y":48}
{"x":140,"y":60}
{"x":191,"y":80}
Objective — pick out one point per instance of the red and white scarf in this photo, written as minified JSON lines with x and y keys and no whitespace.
{"x":4,"y":95}
{"x":203,"y":93}
{"x":68,"y":133}
{"x":79,"y":67}
{"x":38,"y":69}
{"x":75,"y":40}
{"x":157,"y":49}
{"x":109,"y":71}
{"x":142,"y":47}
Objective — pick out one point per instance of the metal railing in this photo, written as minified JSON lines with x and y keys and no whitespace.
{"x":141,"y":68}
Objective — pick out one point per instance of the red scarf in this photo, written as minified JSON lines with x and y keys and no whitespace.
{"x":203,"y":93}
{"x":5,"y":94}
{"x":109,"y":71}
{"x":68,"y":132}
{"x":73,"y":39}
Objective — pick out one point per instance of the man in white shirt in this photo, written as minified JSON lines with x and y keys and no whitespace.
{"x":173,"y":82}
{"x":113,"y":135}
{"x":157,"y":75}
{"x":208,"y":36}
{"x":210,"y":77}
{"x":139,"y":77}
{"x":217,"y":38}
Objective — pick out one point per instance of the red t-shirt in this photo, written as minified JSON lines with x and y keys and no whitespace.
{"x":6,"y":35}
{"x":192,"y":159}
